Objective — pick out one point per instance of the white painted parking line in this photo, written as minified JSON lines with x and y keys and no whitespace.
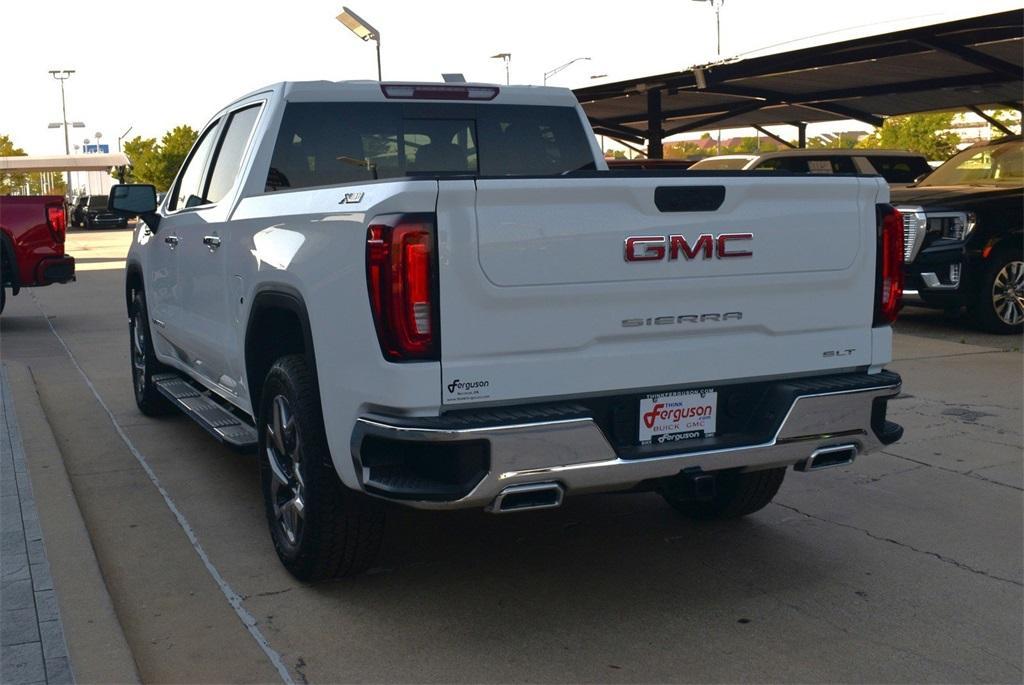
{"x":234,"y":599}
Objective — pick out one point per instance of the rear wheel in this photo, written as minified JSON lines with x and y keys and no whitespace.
{"x":320,"y":528}
{"x":736,"y":494}
{"x":144,"y":364}
{"x":999,"y":306}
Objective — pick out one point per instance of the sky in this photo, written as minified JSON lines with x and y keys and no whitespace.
{"x":154,"y":65}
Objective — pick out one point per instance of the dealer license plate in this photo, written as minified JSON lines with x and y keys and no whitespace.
{"x":676,"y":416}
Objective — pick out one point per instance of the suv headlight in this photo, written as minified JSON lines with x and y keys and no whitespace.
{"x":954,"y":225}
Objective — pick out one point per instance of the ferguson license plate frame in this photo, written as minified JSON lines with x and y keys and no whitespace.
{"x":678,"y":416}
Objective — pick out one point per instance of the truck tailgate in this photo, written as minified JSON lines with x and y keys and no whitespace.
{"x":539,"y":301}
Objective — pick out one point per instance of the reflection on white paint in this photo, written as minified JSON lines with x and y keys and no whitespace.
{"x":276,"y":247}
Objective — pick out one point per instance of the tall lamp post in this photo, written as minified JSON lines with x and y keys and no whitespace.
{"x":63,"y":75}
{"x":363,"y":31}
{"x":507,"y":57}
{"x":549,"y":74}
{"x":123,"y":136}
{"x":717,"y":6}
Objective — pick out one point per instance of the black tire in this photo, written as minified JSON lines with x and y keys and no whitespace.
{"x":336,"y":532}
{"x":3,"y":298}
{"x":143,"y":361}
{"x":736,"y":494}
{"x":999,"y":302}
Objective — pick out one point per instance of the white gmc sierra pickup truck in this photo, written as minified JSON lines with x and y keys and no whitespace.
{"x":440,"y":296}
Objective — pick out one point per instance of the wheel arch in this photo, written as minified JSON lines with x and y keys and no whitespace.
{"x":279,"y":309}
{"x":1006,"y":240}
{"x":132,"y":282}
{"x":9,"y":262}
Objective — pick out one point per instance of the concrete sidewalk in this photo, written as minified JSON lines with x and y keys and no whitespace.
{"x":58,"y":621}
{"x":32,"y":647}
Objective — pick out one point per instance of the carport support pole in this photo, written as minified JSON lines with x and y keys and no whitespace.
{"x":63,"y":75}
{"x":654,"y":129}
{"x":801,"y":135}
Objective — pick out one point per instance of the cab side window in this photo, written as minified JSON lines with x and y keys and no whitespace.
{"x":228,"y":160}
{"x":188,"y":191}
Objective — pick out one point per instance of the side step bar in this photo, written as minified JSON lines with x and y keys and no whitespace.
{"x":201,"y":407}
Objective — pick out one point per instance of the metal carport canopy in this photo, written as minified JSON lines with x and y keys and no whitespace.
{"x":93,"y":162}
{"x":956,"y":65}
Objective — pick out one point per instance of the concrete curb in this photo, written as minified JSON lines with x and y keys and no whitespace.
{"x":96,"y":643}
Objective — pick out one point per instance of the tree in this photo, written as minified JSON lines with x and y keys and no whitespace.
{"x":145,"y":161}
{"x":12,"y":182}
{"x":174,"y":147}
{"x":1007,"y":117}
{"x":15,"y":183}
{"x":158,"y":162}
{"x":928,"y":134}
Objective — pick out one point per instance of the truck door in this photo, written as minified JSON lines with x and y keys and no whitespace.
{"x":180,"y":216}
{"x":205,"y":299}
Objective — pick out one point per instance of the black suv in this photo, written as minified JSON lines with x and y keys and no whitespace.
{"x":91,"y":211}
{"x":962,"y":230}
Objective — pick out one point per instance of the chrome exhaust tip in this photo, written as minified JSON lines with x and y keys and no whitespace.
{"x":527,"y":497}
{"x":827,"y":457}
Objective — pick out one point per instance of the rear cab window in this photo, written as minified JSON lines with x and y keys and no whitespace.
{"x":809,"y":165}
{"x":896,"y":169}
{"x":331,"y":143}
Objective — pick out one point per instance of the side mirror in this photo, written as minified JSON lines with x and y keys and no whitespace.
{"x":134,"y":200}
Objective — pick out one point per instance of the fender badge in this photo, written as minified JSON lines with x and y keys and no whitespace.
{"x":351,"y":199}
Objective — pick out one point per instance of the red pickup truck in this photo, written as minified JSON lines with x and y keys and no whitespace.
{"x":32,"y":230}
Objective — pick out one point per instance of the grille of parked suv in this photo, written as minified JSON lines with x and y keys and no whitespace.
{"x":914,"y":227}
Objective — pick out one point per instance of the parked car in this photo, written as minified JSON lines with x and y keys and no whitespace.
{"x":963,"y":241}
{"x":387,"y":312}
{"x":77,"y":215}
{"x":897,"y":167}
{"x":94,"y":213}
{"x":32,"y":230}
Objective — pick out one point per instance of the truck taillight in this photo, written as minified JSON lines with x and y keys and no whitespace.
{"x":888,"y":265}
{"x":401,"y":279}
{"x":56,"y":220}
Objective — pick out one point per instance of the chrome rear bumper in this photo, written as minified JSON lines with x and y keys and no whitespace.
{"x":575,"y":453}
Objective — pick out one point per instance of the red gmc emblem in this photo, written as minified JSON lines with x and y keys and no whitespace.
{"x":653,"y":248}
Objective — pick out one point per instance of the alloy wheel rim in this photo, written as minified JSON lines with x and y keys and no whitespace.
{"x":138,"y":354}
{"x":284,"y":454}
{"x":1008,"y":293}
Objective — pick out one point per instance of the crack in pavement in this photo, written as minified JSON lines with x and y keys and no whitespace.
{"x":268,"y":593}
{"x":947,"y":560}
{"x":967,"y":474}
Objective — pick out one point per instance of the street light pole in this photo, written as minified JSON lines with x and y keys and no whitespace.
{"x":63,"y":75}
{"x":122,"y":136}
{"x":359,"y":26}
{"x":507,"y":56}
{"x":549,"y":74}
{"x":717,"y":6}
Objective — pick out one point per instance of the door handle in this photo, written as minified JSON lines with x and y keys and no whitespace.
{"x":172,"y":240}
{"x":211,"y":241}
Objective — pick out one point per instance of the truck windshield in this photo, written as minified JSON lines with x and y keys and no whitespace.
{"x":97,"y":202}
{"x":330,"y":143}
{"x":990,"y":165}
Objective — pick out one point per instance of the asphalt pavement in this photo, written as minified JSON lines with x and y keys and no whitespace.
{"x":903,"y":567}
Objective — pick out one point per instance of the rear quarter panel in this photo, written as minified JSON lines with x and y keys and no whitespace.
{"x":23,"y":221}
{"x":308,"y":242}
